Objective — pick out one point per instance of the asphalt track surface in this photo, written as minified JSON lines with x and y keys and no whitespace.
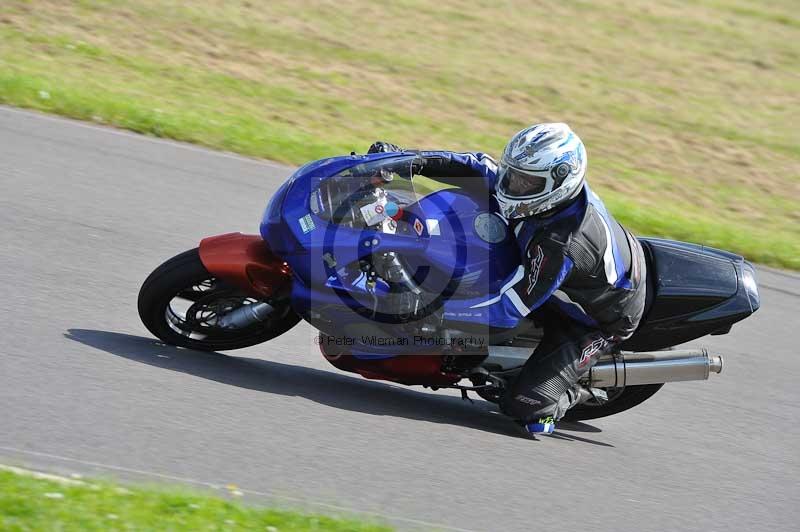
{"x":86,"y":213}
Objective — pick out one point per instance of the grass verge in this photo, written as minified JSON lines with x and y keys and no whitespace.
{"x":688,"y":109}
{"x":28,"y":503}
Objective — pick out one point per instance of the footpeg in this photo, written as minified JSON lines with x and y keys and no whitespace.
{"x":465,"y":397}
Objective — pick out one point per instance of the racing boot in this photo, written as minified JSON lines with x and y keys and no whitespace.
{"x":574,"y":396}
{"x":543,"y":425}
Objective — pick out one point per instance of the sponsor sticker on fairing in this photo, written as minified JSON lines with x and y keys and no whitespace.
{"x":418,"y":227}
{"x":306,"y":224}
{"x":374,"y":213}
{"x":433,"y":227}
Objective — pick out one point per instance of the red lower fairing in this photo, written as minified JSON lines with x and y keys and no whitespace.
{"x":420,"y":369}
{"x":246,"y":261}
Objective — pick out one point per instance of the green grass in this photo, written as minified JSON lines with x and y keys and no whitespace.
{"x":28,"y":503}
{"x":689,"y":109}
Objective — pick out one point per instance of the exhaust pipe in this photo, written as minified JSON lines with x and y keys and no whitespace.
{"x":245,"y":315}
{"x":654,"y":367}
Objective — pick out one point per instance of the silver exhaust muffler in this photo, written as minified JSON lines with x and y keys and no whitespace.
{"x":653,"y":367}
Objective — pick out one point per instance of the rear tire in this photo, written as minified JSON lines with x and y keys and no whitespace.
{"x":629,"y":397}
{"x":184,"y":277}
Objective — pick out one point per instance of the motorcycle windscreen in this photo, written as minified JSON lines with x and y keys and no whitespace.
{"x":376,"y":195}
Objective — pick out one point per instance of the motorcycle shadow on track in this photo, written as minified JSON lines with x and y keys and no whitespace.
{"x":324,"y":387}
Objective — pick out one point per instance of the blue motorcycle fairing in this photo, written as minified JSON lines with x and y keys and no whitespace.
{"x":321,"y":253}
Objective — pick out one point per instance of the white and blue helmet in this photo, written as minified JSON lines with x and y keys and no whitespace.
{"x":542,"y":167}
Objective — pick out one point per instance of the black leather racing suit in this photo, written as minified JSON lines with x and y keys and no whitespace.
{"x":585,"y":277}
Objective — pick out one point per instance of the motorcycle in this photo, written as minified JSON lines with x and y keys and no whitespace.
{"x":404,"y":269}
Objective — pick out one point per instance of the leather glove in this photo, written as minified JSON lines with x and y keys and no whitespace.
{"x":383,"y":147}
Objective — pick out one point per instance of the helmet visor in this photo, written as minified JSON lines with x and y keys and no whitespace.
{"x":516,"y":183}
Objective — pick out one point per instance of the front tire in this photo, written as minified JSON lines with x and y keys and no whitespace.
{"x":180,"y":303}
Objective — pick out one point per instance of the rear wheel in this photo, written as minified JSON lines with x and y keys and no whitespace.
{"x":619,"y":400}
{"x":181,"y":303}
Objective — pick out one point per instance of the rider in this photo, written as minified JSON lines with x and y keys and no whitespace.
{"x":584,"y":274}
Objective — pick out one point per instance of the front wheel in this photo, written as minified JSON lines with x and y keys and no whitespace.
{"x":181,"y":303}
